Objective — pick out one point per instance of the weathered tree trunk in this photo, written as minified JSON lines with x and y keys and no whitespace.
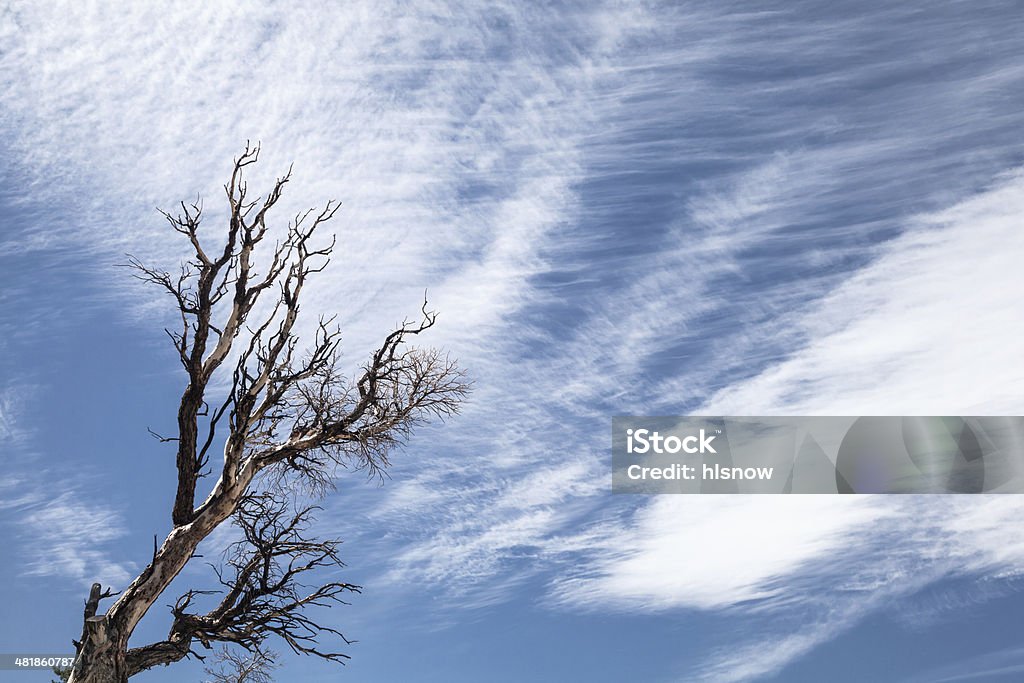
{"x":101,"y":653}
{"x":101,"y":661}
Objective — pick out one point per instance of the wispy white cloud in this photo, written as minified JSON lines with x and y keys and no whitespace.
{"x":930,"y":322}
{"x":450,"y":132}
{"x":12,"y":399}
{"x":712,"y":553}
{"x":794,"y":571}
{"x":71,"y":539}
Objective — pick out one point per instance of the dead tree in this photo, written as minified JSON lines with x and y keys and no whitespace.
{"x":288,"y":417}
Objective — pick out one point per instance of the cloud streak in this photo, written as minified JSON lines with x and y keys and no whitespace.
{"x":72,"y":539}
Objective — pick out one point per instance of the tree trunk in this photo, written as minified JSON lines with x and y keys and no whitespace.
{"x":101,"y":663}
{"x":101,"y":654}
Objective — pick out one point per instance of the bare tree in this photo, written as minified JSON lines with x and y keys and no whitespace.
{"x":287,"y":419}
{"x":232,"y":666}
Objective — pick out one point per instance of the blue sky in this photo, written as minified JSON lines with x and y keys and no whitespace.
{"x":618,"y":208}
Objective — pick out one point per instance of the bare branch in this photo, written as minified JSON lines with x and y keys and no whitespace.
{"x":234,"y":666}
{"x":261,"y":588}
